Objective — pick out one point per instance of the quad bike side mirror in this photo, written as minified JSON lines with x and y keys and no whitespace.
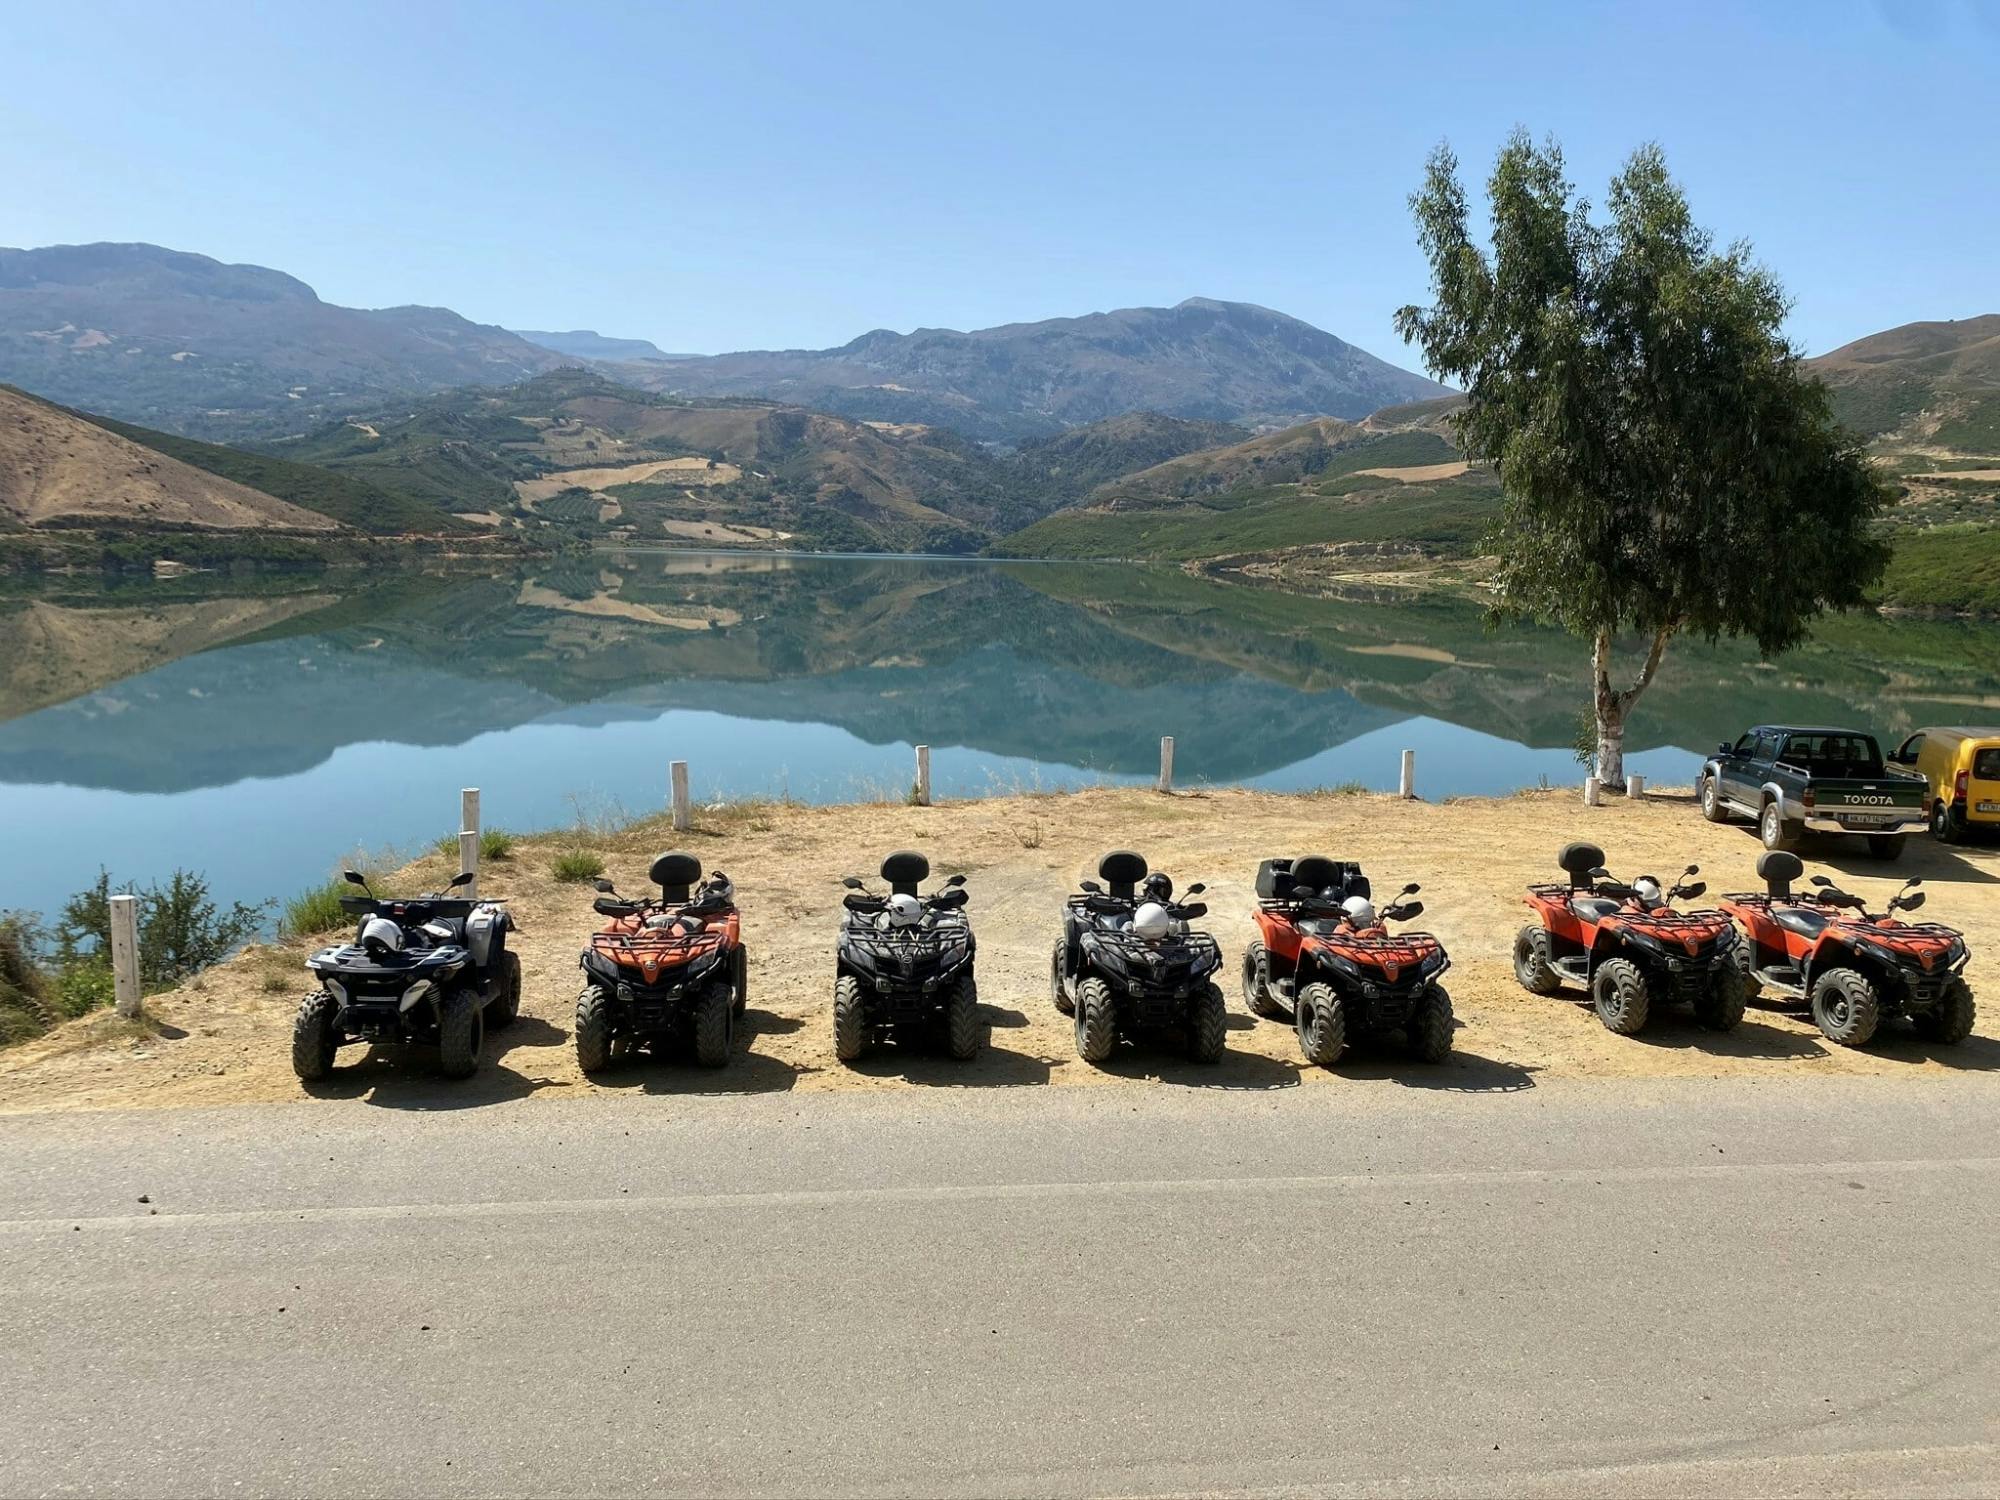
{"x":1196,"y":889}
{"x":956,"y":880}
{"x":1822,"y":882}
{"x":463,"y":877}
{"x":605,"y":887}
{"x":354,"y":877}
{"x":1692,"y":870}
{"x":852,"y":882}
{"x":1093,"y":887}
{"x":1914,"y":881}
{"x":1598,"y":872}
{"x":1411,"y":889}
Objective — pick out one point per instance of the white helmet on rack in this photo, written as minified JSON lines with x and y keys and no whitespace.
{"x":381,"y":937}
{"x":904,"y":910}
{"x":1151,"y":921}
{"x":1647,"y":889}
{"x":1360,"y":911}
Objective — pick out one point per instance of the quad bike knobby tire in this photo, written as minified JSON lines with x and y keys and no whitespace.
{"x":1720,"y":1006}
{"x":313,"y":1040}
{"x":1429,"y":1026}
{"x":1950,"y":1020}
{"x":739,"y":972}
{"x":1096,"y":1021}
{"x":593,"y":1029}
{"x":1531,"y":961}
{"x":1321,"y":1022}
{"x":850,"y":1019}
{"x":1257,"y":996}
{"x":714,"y":1023}
{"x":461,"y":1032}
{"x":1619,"y":994}
{"x":1060,"y":996}
{"x":1746,"y":970}
{"x":505,"y":1010}
{"x":1844,"y":1007}
{"x":1207,"y":1024}
{"x":961,"y":1019}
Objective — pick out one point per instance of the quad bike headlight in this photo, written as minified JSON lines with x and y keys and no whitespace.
{"x":414,"y":994}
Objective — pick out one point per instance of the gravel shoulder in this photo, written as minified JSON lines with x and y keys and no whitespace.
{"x":224,"y":1038}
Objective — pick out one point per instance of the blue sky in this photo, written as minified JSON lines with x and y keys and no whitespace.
{"x":753,"y":175}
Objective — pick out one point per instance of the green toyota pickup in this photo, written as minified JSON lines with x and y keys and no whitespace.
{"x":1793,"y":780}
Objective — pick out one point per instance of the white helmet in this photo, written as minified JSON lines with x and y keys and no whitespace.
{"x":904,"y":911}
{"x":381,"y":936}
{"x":1360,"y":911}
{"x":1151,"y":921}
{"x":1647,"y":889}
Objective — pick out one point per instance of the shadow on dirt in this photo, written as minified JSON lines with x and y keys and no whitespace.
{"x":1922,"y":855}
{"x":1675,"y":1028}
{"x":1157,"y":1062}
{"x":1383,"y":1059}
{"x":1003,"y":1018}
{"x":928,"y":1067}
{"x":1897,"y":1041}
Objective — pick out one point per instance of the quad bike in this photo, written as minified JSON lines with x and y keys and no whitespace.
{"x":903,"y":962}
{"x":663,"y":972}
{"x":1324,"y":954}
{"x":1127,"y":963}
{"x":1628,"y":946}
{"x":433,"y":970}
{"x":1852,"y":970}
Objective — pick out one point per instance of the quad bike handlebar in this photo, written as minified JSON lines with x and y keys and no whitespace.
{"x":1826,"y":893}
{"x":1604,"y":883}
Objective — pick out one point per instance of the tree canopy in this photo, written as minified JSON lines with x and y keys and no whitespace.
{"x":1667,"y":464}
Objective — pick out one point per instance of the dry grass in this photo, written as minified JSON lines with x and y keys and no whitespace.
{"x":1473,"y":859}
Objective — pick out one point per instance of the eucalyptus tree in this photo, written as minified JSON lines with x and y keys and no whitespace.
{"x":1667,"y":465}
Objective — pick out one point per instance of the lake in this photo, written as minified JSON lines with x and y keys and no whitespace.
{"x":260,"y":730}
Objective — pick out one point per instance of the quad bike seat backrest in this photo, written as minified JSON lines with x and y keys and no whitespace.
{"x":674,"y":873}
{"x":1315,"y":875}
{"x":1122,"y":870}
{"x":903,"y":870}
{"x":1577,"y":861}
{"x":1778,"y":870}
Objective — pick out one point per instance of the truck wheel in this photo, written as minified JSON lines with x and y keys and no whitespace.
{"x":313,"y":1038}
{"x":1057,"y":993}
{"x":1321,"y":1022}
{"x":507,"y":1007}
{"x":461,"y":1032}
{"x":850,"y":1019}
{"x":1207,"y":1024}
{"x":593,"y":1029}
{"x":1257,"y":995}
{"x":1429,"y":1027}
{"x":1096,"y":1021}
{"x":1619,"y":993}
{"x":961,"y":1019}
{"x":1709,"y":794}
{"x":1772,"y":828}
{"x":714,"y":1023}
{"x":1531,"y":961}
{"x":1845,"y":1007}
{"x":1950,"y":1020}
{"x":1941,"y":825}
{"x":1887,"y":847}
{"x":1719,"y":1007}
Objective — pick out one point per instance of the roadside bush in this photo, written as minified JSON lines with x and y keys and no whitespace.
{"x":494,"y":843}
{"x":576,"y":866}
{"x":25,"y":995}
{"x":180,"y":928}
{"x":314,"y":911}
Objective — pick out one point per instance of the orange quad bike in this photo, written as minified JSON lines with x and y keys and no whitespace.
{"x":1853,"y":970}
{"x":1325,"y":955}
{"x":1628,"y":947}
{"x":665,"y":972}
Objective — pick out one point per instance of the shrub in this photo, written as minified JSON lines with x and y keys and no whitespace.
{"x":314,"y":911}
{"x":494,"y":843}
{"x":180,"y":929}
{"x":25,"y":996}
{"x":576,"y":866}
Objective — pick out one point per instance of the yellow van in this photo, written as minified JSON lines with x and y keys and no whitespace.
{"x":1963,"y":767}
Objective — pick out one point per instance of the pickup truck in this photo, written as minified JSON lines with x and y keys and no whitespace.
{"x":1793,"y":780}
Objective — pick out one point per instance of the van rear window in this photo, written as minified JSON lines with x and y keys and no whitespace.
{"x":1986,"y":765}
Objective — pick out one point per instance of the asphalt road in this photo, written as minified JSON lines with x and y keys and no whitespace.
{"x":1585,"y":1289}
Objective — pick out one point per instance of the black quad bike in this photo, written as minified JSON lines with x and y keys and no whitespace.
{"x":903,"y":963}
{"x":433,"y":970}
{"x":1128,"y":963}
{"x":665,"y":971}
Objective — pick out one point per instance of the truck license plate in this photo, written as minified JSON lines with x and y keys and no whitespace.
{"x":1989,"y":807}
{"x":1866,"y":820}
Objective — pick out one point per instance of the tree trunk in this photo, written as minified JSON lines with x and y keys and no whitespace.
{"x":1613,"y":704}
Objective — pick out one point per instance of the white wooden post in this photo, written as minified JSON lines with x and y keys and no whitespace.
{"x":683,"y":819}
{"x":923,"y":775}
{"x":1591,"y":796}
{"x":125,"y":954}
{"x":1166,"y":763}
{"x":1635,"y":787}
{"x":468,"y":838}
{"x":1407,"y":788}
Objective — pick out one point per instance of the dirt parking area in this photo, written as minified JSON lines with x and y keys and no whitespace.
{"x":224,"y":1038}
